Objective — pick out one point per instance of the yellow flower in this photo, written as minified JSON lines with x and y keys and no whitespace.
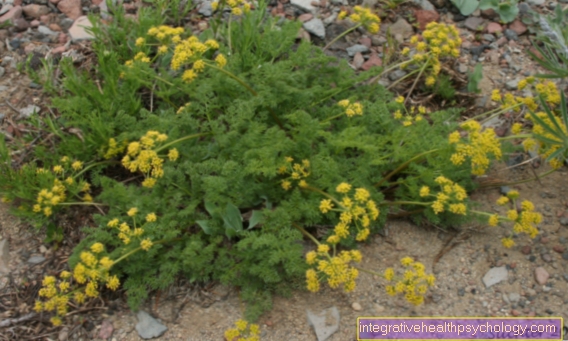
{"x":424,"y":191}
{"x":162,"y":49}
{"x":342,"y":15}
{"x":502,"y":200}
{"x":146,"y":244}
{"x":507,"y":242}
{"x":343,"y":187}
{"x":286,"y":185}
{"x":113,"y":283}
{"x":151,"y":217}
{"x":430,"y":80}
{"x":311,"y":257}
{"x":173,"y":154}
{"x":77,"y":165}
{"x":221,"y":60}
{"x":399,"y":99}
{"x":57,"y":169}
{"x":512,"y":214}
{"x":326,"y":205}
{"x":389,"y":274}
{"x":323,"y":248}
{"x":91,"y":289}
{"x":458,"y":209}
{"x":140,"y":41}
{"x":237,"y":11}
{"x":97,"y":247}
{"x":132,"y":212}
{"x":149,"y":182}
{"x":188,"y":76}
{"x":215,"y":5}
{"x":55,"y":320}
{"x":406,"y":261}
{"x":494,"y":220}
{"x":513,"y":194}
{"x":454,"y":137}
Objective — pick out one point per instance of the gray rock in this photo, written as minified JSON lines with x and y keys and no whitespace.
{"x":474,"y":23}
{"x":6,"y":8}
{"x":370,"y":3}
{"x":535,"y":2}
{"x":305,"y":5}
{"x":489,"y":37}
{"x":541,"y":275}
{"x":512,"y":84}
{"x":564,"y":221}
{"x":339,"y":2}
{"x":28,"y":111}
{"x":36,"y":259}
{"x":425,"y":4}
{"x":205,"y":9}
{"x":330,"y":20}
{"x":511,"y":35}
{"x":351,"y":51}
{"x":148,"y":327}
{"x":3,"y":87}
{"x":494,"y":276}
{"x":4,"y":256}
{"x":45,"y":30}
{"x":514,"y":297}
{"x":325,"y":324}
{"x":505,"y":189}
{"x":78,"y":30}
{"x":315,"y":27}
{"x":401,"y":27}
{"x":396,"y":74}
{"x":2,"y":71}
{"x":66,"y":23}
{"x":462,"y":68}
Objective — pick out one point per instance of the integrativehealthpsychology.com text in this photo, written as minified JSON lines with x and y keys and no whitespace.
{"x":462,"y":328}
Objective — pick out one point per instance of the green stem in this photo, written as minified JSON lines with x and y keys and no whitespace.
{"x":512,"y":137}
{"x":368,"y":271}
{"x":404,"y":165}
{"x":123,"y":257}
{"x":494,"y":112}
{"x":254,"y":93}
{"x":80,"y":203}
{"x":93,"y":165}
{"x":313,"y":189}
{"x":417,"y":78}
{"x":392,"y":203}
{"x":538,"y":177}
{"x":305,"y":233}
{"x":331,"y":118}
{"x":402,"y":78}
{"x":180,"y":140}
{"x":158,"y":78}
{"x":342,"y":35}
{"x":229,"y":33}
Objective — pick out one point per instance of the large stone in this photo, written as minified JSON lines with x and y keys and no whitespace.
{"x":373,"y":60}
{"x":35,"y":11}
{"x":424,"y":17}
{"x":474,"y":23}
{"x":305,"y":5}
{"x":71,"y":8}
{"x":206,"y":9}
{"x":13,"y":14}
{"x":325,"y":324}
{"x":77,"y":30}
{"x":315,"y":27}
{"x":493,"y":28}
{"x":518,"y":27}
{"x":352,"y":50}
{"x":4,"y":256}
{"x":401,"y":27}
{"x":494,"y":276}
{"x":541,"y":275}
{"x":148,"y":327}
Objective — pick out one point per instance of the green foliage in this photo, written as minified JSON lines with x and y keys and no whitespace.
{"x":474,"y":79}
{"x":444,"y":87}
{"x":466,"y":7}
{"x":553,"y":55}
{"x":507,"y":9}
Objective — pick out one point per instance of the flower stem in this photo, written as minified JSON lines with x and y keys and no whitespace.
{"x":368,"y":271}
{"x":123,"y":257}
{"x":404,"y":165}
{"x":417,"y":78}
{"x":305,"y":233}
{"x":331,"y":118}
{"x":93,"y":165}
{"x":80,"y":203}
{"x":392,"y":203}
{"x":313,"y":189}
{"x":342,"y":35}
{"x":494,"y":112}
{"x":189,"y":137}
{"x":401,"y":79}
{"x":538,"y":177}
{"x":512,"y":137}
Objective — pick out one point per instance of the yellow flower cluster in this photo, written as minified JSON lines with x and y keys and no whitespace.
{"x":365,"y":17}
{"x":114,"y":149}
{"x":438,"y":41}
{"x":140,"y":156}
{"x":238,"y":7}
{"x":413,"y":283}
{"x":47,"y":198}
{"x":480,"y":145}
{"x":243,"y":332}
{"x":56,"y":295}
{"x":554,"y":142}
{"x":525,"y":220}
{"x":297,"y":171}
{"x":351,"y":109}
{"x":415,"y":114}
{"x":450,"y":197}
{"x":191,"y":50}
{"x":126,"y":232}
{"x":336,"y":270}
{"x":358,"y":210}
{"x":165,"y":34}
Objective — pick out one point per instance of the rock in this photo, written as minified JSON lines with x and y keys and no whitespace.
{"x":515,"y":312}
{"x":28,"y":111}
{"x":358,"y":60}
{"x":558,"y":248}
{"x":305,"y":5}
{"x":305,"y":17}
{"x":489,"y":37}
{"x":424,"y":17}
{"x":315,"y":27}
{"x":106,"y":330}
{"x":147,"y":326}
{"x":59,"y":49}
{"x":325,"y":324}
{"x":489,"y":13}
{"x":477,"y":50}
{"x":66,"y":23}
{"x":493,"y":28}
{"x":4,"y":256}
{"x":35,"y":11}
{"x":205,"y":9}
{"x":356,"y":306}
{"x":366,"y":41}
{"x":5,"y":8}
{"x":541,"y":275}
{"x":494,"y":276}
{"x":77,"y":32}
{"x":13,"y":14}
{"x":36,"y":259}
{"x":474,"y":23}
{"x":518,"y":27}
{"x":396,"y":74}
{"x":514,"y":297}
{"x":512,"y":84}
{"x":462,"y":68}
{"x":369,"y":3}
{"x":373,"y":60}
{"x":2,"y":72}
{"x":20,"y":24}
{"x":71,"y":8}
{"x":564,"y":221}
{"x":536,"y":2}
{"x":401,"y":27}
{"x":34,"y":23}
{"x":546,"y":257}
{"x":44,"y":30}
{"x":526,"y":249}
{"x":425,"y":4}
{"x":351,"y":51}
{"x":379,"y":308}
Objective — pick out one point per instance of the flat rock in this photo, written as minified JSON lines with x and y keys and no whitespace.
{"x":474,"y":23}
{"x":71,"y":8}
{"x":494,"y":276}
{"x":356,"y":306}
{"x":325,"y":324}
{"x":148,"y":327}
{"x":28,"y":111}
{"x":401,"y":27}
{"x":77,"y":30}
{"x":46,"y":31}
{"x":4,"y":256}
{"x":352,"y":50}
{"x":315,"y":27}
{"x":424,"y":17}
{"x":373,"y":60}
{"x":518,"y":27}
{"x":425,"y":4}
{"x":536,"y":2}
{"x":206,"y":9}
{"x":35,"y":11}
{"x":13,"y":14}
{"x":493,"y":28}
{"x":358,"y":60}
{"x":305,"y":5}
{"x":512,"y":84}
{"x":541,"y":275}
{"x":514,"y":297}
{"x":396,"y":74}
{"x":36,"y":259}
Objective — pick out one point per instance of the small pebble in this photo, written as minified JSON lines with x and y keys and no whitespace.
{"x":356,"y":306}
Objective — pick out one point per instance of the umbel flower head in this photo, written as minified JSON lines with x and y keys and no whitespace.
{"x":351,"y":109}
{"x":370,"y":21}
{"x":297,"y":172}
{"x":333,"y":269}
{"x":451,"y":196}
{"x":243,"y":331}
{"x":477,"y":147}
{"x":238,"y":7}
{"x":524,"y":220}
{"x":413,"y":283}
